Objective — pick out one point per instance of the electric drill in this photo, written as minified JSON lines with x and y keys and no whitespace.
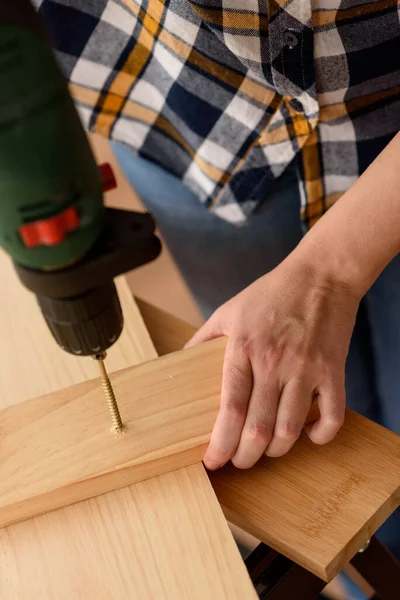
{"x":65,"y":244}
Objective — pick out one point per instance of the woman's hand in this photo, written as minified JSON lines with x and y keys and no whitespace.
{"x":289,"y":332}
{"x":288,"y":339}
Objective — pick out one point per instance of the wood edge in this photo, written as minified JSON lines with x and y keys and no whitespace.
{"x":363,"y":535}
{"x":104,"y":483}
{"x":247,"y":526}
{"x":222,"y":512}
{"x":159,"y":324}
{"x":146,"y":341}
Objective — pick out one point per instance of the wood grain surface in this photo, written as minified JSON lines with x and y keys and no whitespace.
{"x":165,"y":538}
{"x":168,"y":333}
{"x":317,"y":505}
{"x":58,"y":449}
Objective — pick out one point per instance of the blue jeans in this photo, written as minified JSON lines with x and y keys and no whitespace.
{"x":218,"y":260}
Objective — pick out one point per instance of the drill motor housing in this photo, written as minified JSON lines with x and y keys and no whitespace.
{"x":66,"y":246}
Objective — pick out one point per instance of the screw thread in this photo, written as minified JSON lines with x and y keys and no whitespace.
{"x":112,"y":404}
{"x":109,"y":393}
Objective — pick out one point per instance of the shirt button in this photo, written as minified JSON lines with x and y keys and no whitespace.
{"x":296,"y":105}
{"x":290,"y":39}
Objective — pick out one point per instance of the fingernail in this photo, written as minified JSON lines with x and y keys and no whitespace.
{"x":212,"y":465}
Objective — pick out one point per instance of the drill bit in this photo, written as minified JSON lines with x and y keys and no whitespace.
{"x":109,"y":392}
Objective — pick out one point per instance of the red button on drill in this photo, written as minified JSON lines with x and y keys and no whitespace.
{"x":49,"y":232}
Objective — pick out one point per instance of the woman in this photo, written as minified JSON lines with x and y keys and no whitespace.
{"x":240,"y":123}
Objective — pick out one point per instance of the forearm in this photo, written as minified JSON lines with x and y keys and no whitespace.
{"x":360,"y":234}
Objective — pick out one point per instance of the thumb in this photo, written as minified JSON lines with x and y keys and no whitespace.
{"x":213,"y":328}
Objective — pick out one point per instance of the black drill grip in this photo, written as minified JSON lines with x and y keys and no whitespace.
{"x":80,"y":302}
{"x":86,"y":324}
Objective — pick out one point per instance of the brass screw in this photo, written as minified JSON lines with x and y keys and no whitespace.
{"x":109,"y":392}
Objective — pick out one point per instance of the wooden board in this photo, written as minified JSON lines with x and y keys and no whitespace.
{"x":165,"y":538}
{"x":168,"y":407}
{"x":142,"y":542}
{"x":167,"y":332}
{"x":317,"y":505}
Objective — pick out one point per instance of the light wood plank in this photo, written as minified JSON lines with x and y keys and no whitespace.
{"x":58,"y":449}
{"x":165,"y":538}
{"x":141,"y":542}
{"x":318,"y":505}
{"x":167,"y":332}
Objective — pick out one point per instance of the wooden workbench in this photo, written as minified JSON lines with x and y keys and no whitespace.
{"x":164,"y":538}
{"x":161,"y":537}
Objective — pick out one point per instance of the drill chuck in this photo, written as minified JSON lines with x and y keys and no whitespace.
{"x":80,"y":303}
{"x":86,"y":324}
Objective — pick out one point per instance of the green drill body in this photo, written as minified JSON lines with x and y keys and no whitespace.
{"x":46,"y":163}
{"x":67,"y":248}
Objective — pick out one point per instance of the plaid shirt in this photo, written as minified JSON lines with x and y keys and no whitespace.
{"x":226,"y":93}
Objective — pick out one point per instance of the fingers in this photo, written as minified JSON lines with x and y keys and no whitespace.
{"x":256,"y":417}
{"x":332,"y":406}
{"x":259,"y":425}
{"x":294,"y":405}
{"x":237,"y":381}
{"x":213,"y":328}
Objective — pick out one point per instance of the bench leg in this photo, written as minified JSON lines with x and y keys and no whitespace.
{"x":380,"y":569}
{"x":276,"y":577}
